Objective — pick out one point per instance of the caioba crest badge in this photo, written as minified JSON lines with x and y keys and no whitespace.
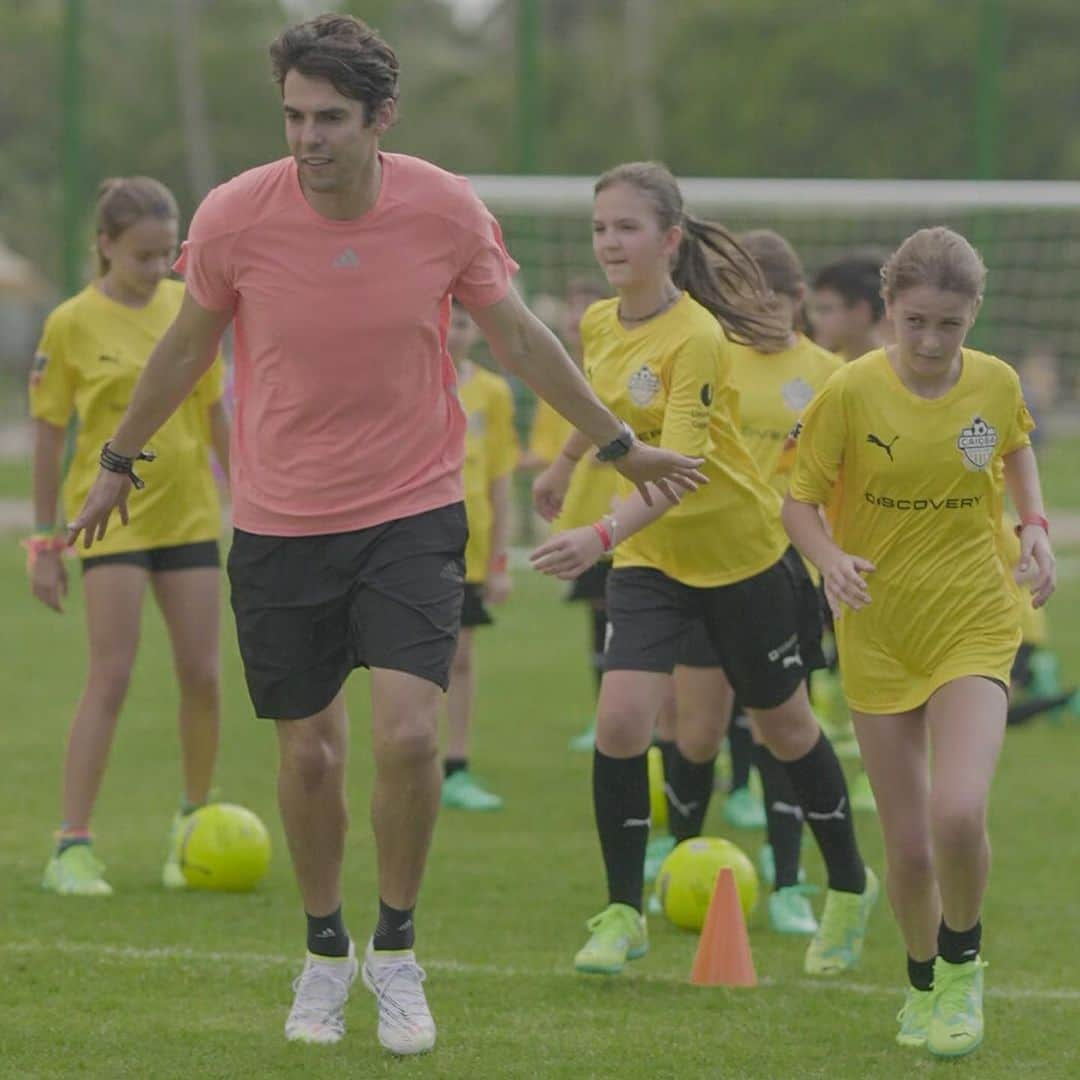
{"x":644,"y":386}
{"x":797,"y":394}
{"x":977,"y":443}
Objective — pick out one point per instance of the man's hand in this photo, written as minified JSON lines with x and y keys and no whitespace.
{"x":674,"y":475}
{"x":110,"y":492}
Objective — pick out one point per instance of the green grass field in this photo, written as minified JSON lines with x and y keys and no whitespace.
{"x":149,"y":984}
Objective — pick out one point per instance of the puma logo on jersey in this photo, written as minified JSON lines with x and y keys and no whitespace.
{"x":887,"y":447}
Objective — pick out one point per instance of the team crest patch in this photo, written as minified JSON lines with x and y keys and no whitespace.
{"x":977,"y":444}
{"x":644,"y":386}
{"x":37,"y":368}
{"x":797,"y":394}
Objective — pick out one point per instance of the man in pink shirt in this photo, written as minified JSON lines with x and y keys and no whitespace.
{"x":337,"y":266}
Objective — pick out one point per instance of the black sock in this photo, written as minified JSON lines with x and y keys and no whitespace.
{"x":920,"y":973}
{"x":819,"y":782}
{"x":452,"y":765}
{"x":621,"y":805}
{"x":599,"y":640}
{"x":783,"y":816}
{"x":326,"y":934}
{"x":395,"y":928}
{"x":741,"y":749}
{"x":65,"y":842}
{"x":688,"y":785}
{"x":959,"y":946}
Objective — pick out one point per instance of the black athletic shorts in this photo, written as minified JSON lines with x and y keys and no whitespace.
{"x":205,"y":553}
{"x":765,"y":631}
{"x":473,"y":611}
{"x":592,"y":585}
{"x":309,"y":609}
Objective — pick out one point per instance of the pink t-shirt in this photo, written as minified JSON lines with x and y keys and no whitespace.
{"x":346,"y":405}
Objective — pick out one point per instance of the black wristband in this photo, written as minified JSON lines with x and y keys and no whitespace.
{"x":618,"y":447}
{"x":111,"y":461}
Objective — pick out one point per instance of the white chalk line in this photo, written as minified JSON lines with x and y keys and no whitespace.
{"x":179,"y":954}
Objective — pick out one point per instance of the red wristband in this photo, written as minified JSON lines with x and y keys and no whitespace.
{"x":499,"y":563}
{"x":605,"y":536}
{"x":1033,"y":519}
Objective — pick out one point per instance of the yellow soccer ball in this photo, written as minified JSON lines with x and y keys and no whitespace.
{"x":225,"y":848}
{"x":657,"y":798}
{"x":688,"y":877}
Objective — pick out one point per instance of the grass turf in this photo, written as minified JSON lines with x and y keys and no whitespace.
{"x":149,"y":984}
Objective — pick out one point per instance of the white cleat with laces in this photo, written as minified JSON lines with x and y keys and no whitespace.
{"x":322,"y":989}
{"x":396,"y":980}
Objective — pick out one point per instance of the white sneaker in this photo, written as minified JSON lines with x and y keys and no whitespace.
{"x":322,"y":988}
{"x":405,"y":1023}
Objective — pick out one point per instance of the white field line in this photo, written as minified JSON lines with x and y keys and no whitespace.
{"x":178,"y":954}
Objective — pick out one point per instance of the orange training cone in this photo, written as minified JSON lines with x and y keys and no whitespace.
{"x":723,"y":953}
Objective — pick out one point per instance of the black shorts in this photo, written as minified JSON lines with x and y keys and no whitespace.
{"x":592,"y":585}
{"x":309,"y":609}
{"x":765,"y":631}
{"x":205,"y":553}
{"x":473,"y":612}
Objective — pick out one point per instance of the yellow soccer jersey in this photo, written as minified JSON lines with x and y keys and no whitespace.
{"x":91,"y":354}
{"x":919,"y":498}
{"x":774,"y":389}
{"x":491,"y":451}
{"x":549,"y":432}
{"x":670,"y":380}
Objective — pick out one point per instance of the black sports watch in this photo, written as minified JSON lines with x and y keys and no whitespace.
{"x":618,"y":447}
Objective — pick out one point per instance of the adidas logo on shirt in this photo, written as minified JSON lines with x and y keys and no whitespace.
{"x":347,"y":258}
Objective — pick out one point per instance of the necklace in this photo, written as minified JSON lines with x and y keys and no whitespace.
{"x":652,"y":314}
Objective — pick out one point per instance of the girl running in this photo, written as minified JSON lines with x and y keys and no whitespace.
{"x":906,"y":442}
{"x":656,"y":354}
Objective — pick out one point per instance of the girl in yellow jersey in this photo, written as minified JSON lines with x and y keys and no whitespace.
{"x":592,"y":486}
{"x":491,"y":454}
{"x":656,"y":354}
{"x":926,"y":607}
{"x":92,"y":350}
{"x":774,"y":387}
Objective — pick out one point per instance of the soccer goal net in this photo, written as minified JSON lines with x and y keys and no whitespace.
{"x":1027,"y":232}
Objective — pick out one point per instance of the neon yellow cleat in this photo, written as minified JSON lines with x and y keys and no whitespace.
{"x":838,"y":944}
{"x":77,"y":872}
{"x":618,"y":934}
{"x":956,"y":1027}
{"x":914,"y":1017}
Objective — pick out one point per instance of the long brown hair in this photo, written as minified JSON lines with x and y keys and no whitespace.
{"x":122,"y":201}
{"x":711,"y":265}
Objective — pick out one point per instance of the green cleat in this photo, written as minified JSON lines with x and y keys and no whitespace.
{"x":838,"y":944}
{"x":862,"y":795}
{"x":790,"y":912}
{"x":172,"y":877}
{"x":744,"y":810}
{"x":914,"y":1017}
{"x":618,"y":934}
{"x":461,"y":792}
{"x":585,"y":741}
{"x":77,"y":872}
{"x":656,"y":851}
{"x":956,"y":1026}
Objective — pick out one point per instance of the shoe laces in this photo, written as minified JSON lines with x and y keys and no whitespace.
{"x":611,"y":920}
{"x":399,"y":989}
{"x":320,"y":989}
{"x":914,"y":1001}
{"x":953,"y":984}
